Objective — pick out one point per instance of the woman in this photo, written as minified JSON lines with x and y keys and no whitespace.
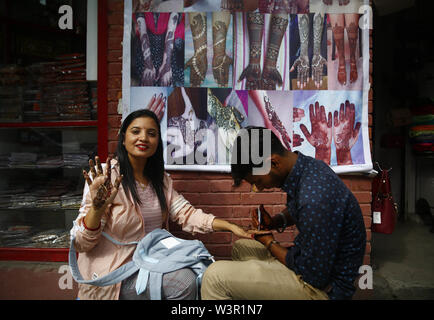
{"x":128,"y":201}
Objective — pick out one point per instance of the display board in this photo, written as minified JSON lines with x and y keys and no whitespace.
{"x":299,"y":68}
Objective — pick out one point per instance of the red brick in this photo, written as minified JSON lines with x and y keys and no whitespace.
{"x":198,"y":186}
{"x":347,"y":181}
{"x":242,"y":211}
{"x":193,"y":198}
{"x":113,"y":134}
{"x":243,"y":187}
{"x":367,"y":259}
{"x":361,"y":184}
{"x":368,"y":222}
{"x":112,"y":145}
{"x":220,"y":198}
{"x":114,"y":95}
{"x":114,"y":121}
{"x":114,"y":82}
{"x":366,"y":209}
{"x":368,"y":248}
{"x":112,"y":108}
{"x":363,"y":196}
{"x":115,"y":43}
{"x":115,"y":5}
{"x":215,"y":176}
{"x":184,"y":175}
{"x":218,"y":211}
{"x":114,"y":56}
{"x":262,"y":198}
{"x":115,"y":68}
{"x":115,"y":18}
{"x":220,"y":186}
{"x":116,"y":31}
{"x":287,"y":236}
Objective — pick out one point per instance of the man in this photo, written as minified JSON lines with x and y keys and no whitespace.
{"x":327,"y":252}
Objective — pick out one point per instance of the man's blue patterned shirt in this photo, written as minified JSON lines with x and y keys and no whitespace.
{"x":330,"y":246}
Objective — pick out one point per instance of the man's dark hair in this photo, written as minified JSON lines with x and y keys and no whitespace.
{"x":240,"y":170}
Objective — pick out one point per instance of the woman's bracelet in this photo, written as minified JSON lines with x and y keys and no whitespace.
{"x":91,"y":229}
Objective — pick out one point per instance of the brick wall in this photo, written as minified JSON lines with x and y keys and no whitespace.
{"x":213,"y":192}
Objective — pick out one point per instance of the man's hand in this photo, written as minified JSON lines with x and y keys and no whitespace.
{"x":266,"y":221}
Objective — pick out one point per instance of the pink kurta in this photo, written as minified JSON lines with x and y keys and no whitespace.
{"x":124,"y":222}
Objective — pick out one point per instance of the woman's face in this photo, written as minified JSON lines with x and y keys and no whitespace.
{"x":141,"y":138}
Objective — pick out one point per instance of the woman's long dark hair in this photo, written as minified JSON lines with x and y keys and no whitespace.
{"x":154,"y":168}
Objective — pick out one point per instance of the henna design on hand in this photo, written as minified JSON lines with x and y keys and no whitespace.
{"x":101,"y":189}
{"x":344,"y":133}
{"x":165,"y":71}
{"x":321,"y":133}
{"x":149,"y":73}
{"x":226,"y":117}
{"x":276,"y":123}
{"x":338,"y":33}
{"x":157,"y":105}
{"x":298,"y":114}
{"x":318,"y":61}
{"x":302,"y":62}
{"x":221,"y":61}
{"x":252,"y":73}
{"x":353,"y":33}
{"x":232,"y":5}
{"x":328,"y":2}
{"x":270,"y":74}
{"x":198,"y":64}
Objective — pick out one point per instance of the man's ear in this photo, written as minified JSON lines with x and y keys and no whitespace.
{"x":275,"y":161}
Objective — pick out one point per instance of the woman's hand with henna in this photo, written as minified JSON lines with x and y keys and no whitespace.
{"x":321,"y":133}
{"x":252,"y":74}
{"x":198,"y":65}
{"x":318,"y":63}
{"x":101,"y":189}
{"x":344,"y":133}
{"x":298,"y":114}
{"x":232,"y":5}
{"x":165,"y":75}
{"x":157,"y":105}
{"x":302,"y":65}
{"x":270,"y":77}
{"x":220,"y":69}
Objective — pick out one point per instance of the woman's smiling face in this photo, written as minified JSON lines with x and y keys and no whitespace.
{"x":141,"y":138}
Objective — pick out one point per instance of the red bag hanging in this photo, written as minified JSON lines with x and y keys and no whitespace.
{"x":384,"y":209}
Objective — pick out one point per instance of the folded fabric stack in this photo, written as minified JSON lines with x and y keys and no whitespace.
{"x":12,"y":79}
{"x":75,"y":160}
{"x":42,"y":77}
{"x":72,"y":90}
{"x":422,"y":129}
{"x":22,"y":160}
{"x":4,"y":160}
{"x":50,"y":162}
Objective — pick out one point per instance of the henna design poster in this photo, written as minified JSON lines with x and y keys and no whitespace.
{"x":210,"y":68}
